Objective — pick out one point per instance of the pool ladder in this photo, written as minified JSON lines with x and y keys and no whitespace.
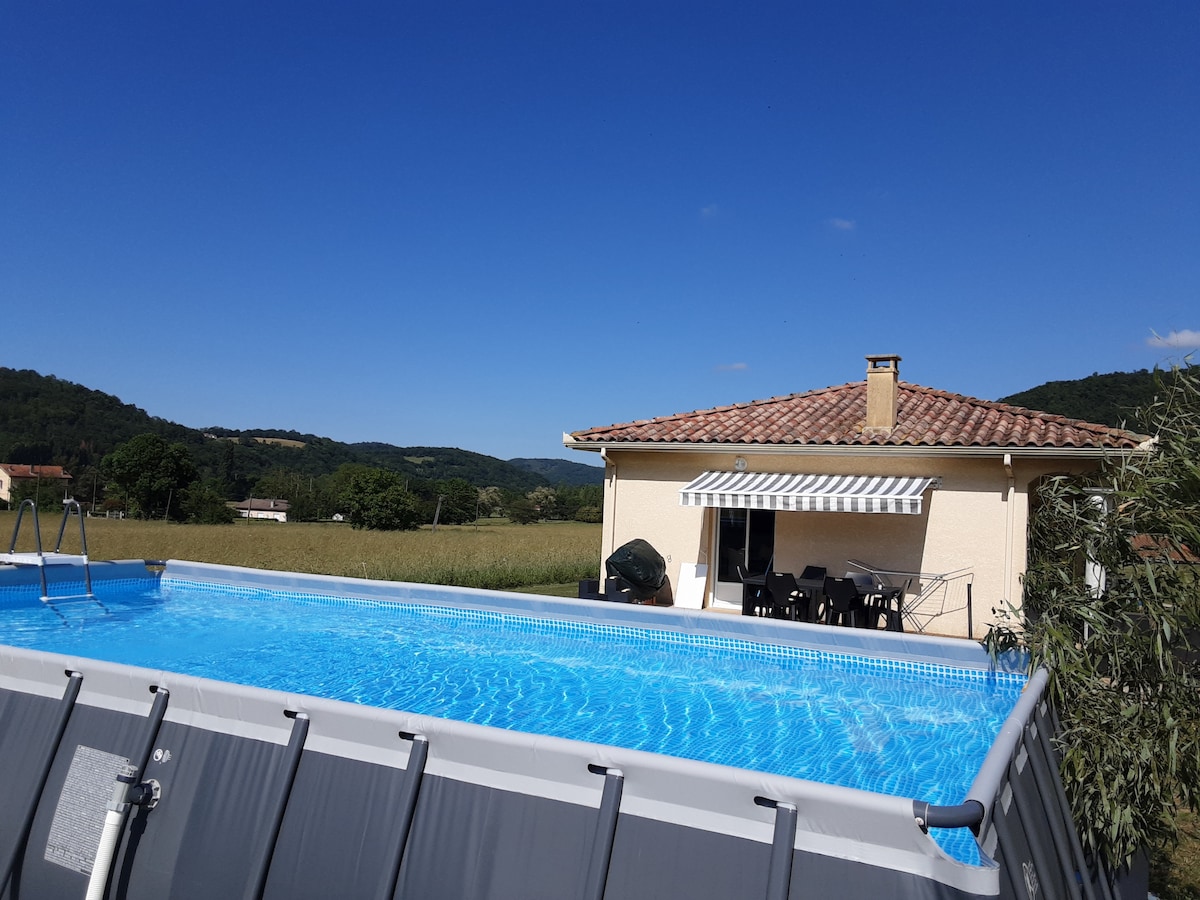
{"x":40,"y":558}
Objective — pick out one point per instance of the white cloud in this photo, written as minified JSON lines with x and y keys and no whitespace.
{"x":733,"y":367}
{"x":1186,"y":339}
{"x":708,"y":212}
{"x":842,"y":224}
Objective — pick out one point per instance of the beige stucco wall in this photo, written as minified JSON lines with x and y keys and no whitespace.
{"x":974,"y":521}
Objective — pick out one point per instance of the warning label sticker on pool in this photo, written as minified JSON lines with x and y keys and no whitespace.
{"x":79,"y":817}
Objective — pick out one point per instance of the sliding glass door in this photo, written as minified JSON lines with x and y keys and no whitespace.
{"x":746,"y":538}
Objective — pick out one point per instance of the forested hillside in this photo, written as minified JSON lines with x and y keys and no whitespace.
{"x":1103,"y":399}
{"x":46,"y":420}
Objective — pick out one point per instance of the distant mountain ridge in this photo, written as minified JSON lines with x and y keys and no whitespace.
{"x":45,"y":420}
{"x":1111,"y":399}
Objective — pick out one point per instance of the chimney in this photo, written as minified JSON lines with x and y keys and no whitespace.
{"x":883,"y":379}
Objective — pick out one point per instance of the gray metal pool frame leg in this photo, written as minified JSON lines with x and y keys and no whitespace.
{"x":66,"y":705}
{"x":783,"y":847}
{"x":295,"y":749}
{"x":129,"y":791}
{"x":606,"y":831}
{"x":1028,"y":806}
{"x":414,"y":772}
{"x":779,"y":872}
{"x":1054,"y":814}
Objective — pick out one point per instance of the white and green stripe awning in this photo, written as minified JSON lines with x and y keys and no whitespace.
{"x":808,"y":493}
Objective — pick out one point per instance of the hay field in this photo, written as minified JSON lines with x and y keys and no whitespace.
{"x":495,"y":554}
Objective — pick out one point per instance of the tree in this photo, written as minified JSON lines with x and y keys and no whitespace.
{"x":491,"y":501}
{"x":460,"y":501}
{"x":545,"y":501}
{"x":580,"y":502}
{"x":204,"y":503}
{"x":45,"y":492}
{"x":1122,"y":655}
{"x":377,"y":499}
{"x":590,"y":514}
{"x":151,"y":474}
{"x":309,"y":497}
{"x":88,"y":486}
{"x":521,"y":511}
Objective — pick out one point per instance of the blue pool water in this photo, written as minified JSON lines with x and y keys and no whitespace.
{"x":905,"y":729}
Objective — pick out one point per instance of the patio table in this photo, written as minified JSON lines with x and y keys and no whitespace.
{"x":812,"y":588}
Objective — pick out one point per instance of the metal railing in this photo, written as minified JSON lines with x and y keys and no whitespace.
{"x":39,"y":557}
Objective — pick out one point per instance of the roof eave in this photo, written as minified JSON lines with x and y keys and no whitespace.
{"x":903,"y":450}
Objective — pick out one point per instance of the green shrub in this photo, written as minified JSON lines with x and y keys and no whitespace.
{"x":1125,"y":673}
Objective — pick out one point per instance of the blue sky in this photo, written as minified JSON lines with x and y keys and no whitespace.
{"x":479,"y":225}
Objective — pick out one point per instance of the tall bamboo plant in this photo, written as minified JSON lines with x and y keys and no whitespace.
{"x":1124,"y":656}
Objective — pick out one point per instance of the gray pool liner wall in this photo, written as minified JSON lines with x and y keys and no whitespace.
{"x":245,"y":792}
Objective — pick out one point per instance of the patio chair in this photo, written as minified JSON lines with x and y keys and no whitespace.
{"x":616,"y":590}
{"x":894,"y":607}
{"x":843,"y":603}
{"x":870,"y":590}
{"x":786,"y":597}
{"x":754,"y":596}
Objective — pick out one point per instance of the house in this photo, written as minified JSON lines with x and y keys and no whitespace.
{"x":12,"y":473}
{"x":254,"y":508}
{"x":929,"y":489}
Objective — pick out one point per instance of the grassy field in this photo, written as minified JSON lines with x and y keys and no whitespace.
{"x":550,"y":557}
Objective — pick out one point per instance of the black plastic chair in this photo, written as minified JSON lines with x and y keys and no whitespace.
{"x":894,"y":611}
{"x":882,"y":600}
{"x":844,"y":604}
{"x":786,"y":596}
{"x":871,"y":591}
{"x":755,"y":600}
{"x":813,"y":573}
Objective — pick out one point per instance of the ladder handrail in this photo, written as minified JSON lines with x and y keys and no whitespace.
{"x":68,"y":507}
{"x":37,"y":529}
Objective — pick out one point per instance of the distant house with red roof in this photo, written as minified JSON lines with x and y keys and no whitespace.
{"x":12,"y":473}
{"x":878,"y":475}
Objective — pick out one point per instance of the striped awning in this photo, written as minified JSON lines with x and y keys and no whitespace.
{"x":813,"y":493}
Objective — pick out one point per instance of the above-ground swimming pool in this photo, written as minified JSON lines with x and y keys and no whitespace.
{"x":715,"y":729}
{"x":907,"y":729}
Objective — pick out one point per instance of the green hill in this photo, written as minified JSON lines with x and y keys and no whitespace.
{"x":1103,"y":399}
{"x":46,"y":420}
{"x":562,"y":471}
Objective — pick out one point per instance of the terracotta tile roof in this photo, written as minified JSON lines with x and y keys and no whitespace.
{"x":1157,"y":547}
{"x":22,"y":471}
{"x":834,"y":416}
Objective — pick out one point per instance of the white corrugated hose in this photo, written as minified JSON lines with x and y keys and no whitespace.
{"x":114,"y":821}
